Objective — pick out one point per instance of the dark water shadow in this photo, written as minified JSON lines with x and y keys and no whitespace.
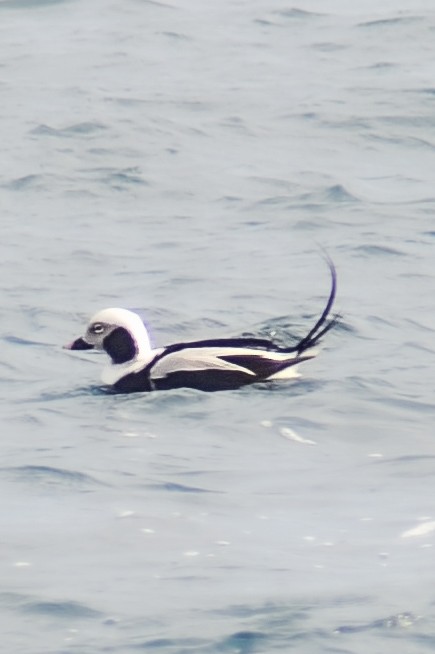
{"x":50,"y":476}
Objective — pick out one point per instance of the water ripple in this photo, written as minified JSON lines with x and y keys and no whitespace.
{"x":29,"y":4}
{"x":172,"y":644}
{"x":61,"y":610}
{"x":79,"y":129}
{"x":378,"y":250}
{"x":398,"y":621}
{"x":50,"y":476}
{"x":180,"y":488}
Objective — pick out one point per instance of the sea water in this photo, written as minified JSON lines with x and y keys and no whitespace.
{"x":193,"y":161}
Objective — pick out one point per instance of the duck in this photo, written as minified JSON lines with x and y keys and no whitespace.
{"x":217,"y":364}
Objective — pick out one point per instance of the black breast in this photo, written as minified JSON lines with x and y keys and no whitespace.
{"x":134,"y":382}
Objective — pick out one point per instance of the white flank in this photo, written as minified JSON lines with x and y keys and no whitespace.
{"x":201,"y":358}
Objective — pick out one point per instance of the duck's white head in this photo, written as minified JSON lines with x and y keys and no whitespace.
{"x":119,"y":332}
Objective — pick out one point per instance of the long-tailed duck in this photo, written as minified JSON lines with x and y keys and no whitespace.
{"x":207,"y":365}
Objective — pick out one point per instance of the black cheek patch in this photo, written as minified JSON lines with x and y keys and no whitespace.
{"x":120,"y":345}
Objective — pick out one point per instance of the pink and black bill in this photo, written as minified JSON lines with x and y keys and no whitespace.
{"x":79,"y":344}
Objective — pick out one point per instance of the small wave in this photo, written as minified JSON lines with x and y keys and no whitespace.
{"x":339,"y":193}
{"x":16,"y":340}
{"x":179,"y":488}
{"x":24,"y":182}
{"x":199,"y":324}
{"x":420,"y":347}
{"x":170,"y":399}
{"x":307,"y":225}
{"x":82,"y":391}
{"x":300,"y":14}
{"x":390,"y":22}
{"x":243,"y":642}
{"x":402,"y":403}
{"x":378,"y":250}
{"x":44,"y":130}
{"x":172,"y":644}
{"x":119,"y":178}
{"x":12,"y":600}
{"x":300,"y":387}
{"x":177,"y":36}
{"x":318,"y":200}
{"x":273,"y":200}
{"x":400,"y":620}
{"x":87,"y":127}
{"x":49,"y":476}
{"x":65,"y":610}
{"x":407,"y":458}
{"x":82,"y":129}
{"x":29,"y":4}
{"x":419,"y":325}
{"x":329,"y":47}
{"x":382,"y":65}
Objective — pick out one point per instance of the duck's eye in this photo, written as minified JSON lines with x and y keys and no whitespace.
{"x":97,"y":328}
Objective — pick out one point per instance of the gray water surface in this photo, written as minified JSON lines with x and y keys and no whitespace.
{"x":192,"y":161}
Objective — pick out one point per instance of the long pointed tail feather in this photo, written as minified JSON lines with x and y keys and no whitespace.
{"x":322,"y":326}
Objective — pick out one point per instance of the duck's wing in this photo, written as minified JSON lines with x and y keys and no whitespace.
{"x":218,"y":367}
